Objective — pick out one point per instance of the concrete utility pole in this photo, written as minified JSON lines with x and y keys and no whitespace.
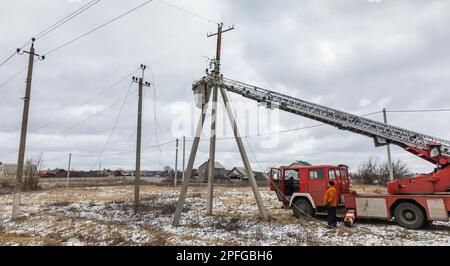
{"x":23,"y":133}
{"x":212,"y":145}
{"x":176,"y":164}
{"x":184,"y":154}
{"x":190,"y":165}
{"x":137,"y":175}
{"x":68,"y":170}
{"x":244,"y":157}
{"x":214,"y":87}
{"x":388,"y":147}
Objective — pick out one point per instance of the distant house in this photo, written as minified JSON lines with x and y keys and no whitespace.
{"x":238,"y":174}
{"x":53,"y":173}
{"x":299,"y":163}
{"x":219,"y":172}
{"x":8,"y":170}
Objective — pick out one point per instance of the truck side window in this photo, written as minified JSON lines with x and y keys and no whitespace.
{"x":276,"y":174}
{"x":316,"y":174}
{"x":344,"y":172}
{"x":291,"y":173}
{"x":332,"y":174}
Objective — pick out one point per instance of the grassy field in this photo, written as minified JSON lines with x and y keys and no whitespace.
{"x":103,"y":215}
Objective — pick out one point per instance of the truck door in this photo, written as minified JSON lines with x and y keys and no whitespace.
{"x":334,"y":175}
{"x":317,"y":185}
{"x":277,"y":183}
{"x":345,"y":179}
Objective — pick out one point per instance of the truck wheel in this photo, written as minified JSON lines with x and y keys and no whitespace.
{"x":302,"y":207}
{"x":409,"y":215}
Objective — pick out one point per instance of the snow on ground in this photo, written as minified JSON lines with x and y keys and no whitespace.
{"x":105,"y":216}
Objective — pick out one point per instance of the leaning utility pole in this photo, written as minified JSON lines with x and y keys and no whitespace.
{"x":176,"y":164}
{"x":23,"y":133}
{"x":68,"y":170}
{"x":184,"y":154}
{"x":206,"y":92}
{"x":137,"y":175}
{"x":388,"y":147}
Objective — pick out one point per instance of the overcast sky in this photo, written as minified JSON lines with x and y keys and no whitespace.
{"x":359,"y":56}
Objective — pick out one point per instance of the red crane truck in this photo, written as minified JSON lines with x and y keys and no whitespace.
{"x":413,"y":202}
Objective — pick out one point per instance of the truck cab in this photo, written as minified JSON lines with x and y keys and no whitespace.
{"x":305,"y":186}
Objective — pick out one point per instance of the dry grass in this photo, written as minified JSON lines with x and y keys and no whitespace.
{"x":370,"y":189}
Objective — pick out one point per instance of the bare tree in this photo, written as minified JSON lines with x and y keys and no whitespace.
{"x":31,"y":172}
{"x":399,"y":168}
{"x":373,"y":171}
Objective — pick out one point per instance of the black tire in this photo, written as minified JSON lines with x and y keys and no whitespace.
{"x":409,"y":215}
{"x":302,"y":207}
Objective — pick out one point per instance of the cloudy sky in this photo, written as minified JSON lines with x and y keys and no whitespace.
{"x":359,"y":56}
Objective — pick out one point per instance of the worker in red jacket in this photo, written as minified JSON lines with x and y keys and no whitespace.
{"x":330,"y":200}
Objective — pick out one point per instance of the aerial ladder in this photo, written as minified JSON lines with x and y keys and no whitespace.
{"x":431,"y":149}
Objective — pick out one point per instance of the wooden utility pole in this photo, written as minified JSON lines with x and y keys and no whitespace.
{"x":23,"y":133}
{"x":176,"y":164}
{"x":68,"y":170}
{"x":388,"y":147}
{"x":137,"y":175}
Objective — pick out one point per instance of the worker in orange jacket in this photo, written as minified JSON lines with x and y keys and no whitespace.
{"x":330,"y":200}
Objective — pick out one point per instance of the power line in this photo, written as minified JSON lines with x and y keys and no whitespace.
{"x":281,"y":131}
{"x":419,"y":110}
{"x":66,"y":131}
{"x":56,"y":25}
{"x":188,"y":12}
{"x":127,"y":152}
{"x":66,"y":19}
{"x":7,"y":59}
{"x":94,"y":115}
{"x":13,"y":76}
{"x":85,"y":102}
{"x":114,"y":126}
{"x":81,"y":106}
{"x":98,"y":27}
{"x":156,"y":124}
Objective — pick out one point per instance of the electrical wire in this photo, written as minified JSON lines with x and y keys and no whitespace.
{"x":66,"y":19}
{"x":7,"y":59}
{"x":127,"y":152}
{"x":53,"y":27}
{"x":66,"y":131}
{"x":188,"y":12}
{"x":280,"y":131}
{"x":419,"y":110}
{"x":155,"y":101}
{"x":97,"y":28}
{"x":114,"y":126}
{"x":156,"y":125}
{"x":13,"y":77}
{"x":85,"y":102}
